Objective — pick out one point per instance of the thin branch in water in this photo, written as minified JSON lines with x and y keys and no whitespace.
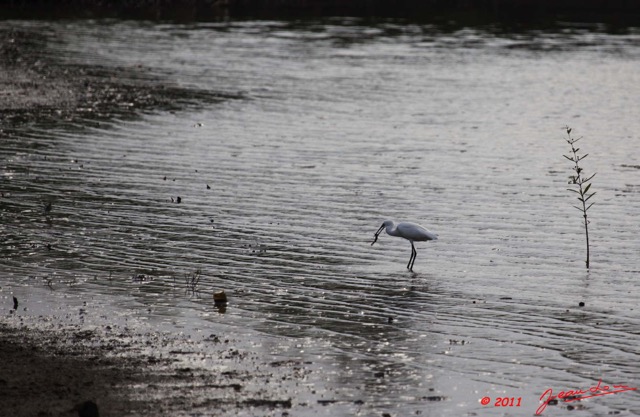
{"x":583,"y":184}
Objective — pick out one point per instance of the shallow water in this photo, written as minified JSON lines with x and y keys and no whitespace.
{"x":335,"y":127}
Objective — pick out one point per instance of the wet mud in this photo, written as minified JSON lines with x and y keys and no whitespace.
{"x":55,"y":370}
{"x":35,"y":88}
{"x":70,"y":371}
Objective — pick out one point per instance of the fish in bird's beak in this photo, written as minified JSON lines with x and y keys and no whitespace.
{"x":375,"y":238}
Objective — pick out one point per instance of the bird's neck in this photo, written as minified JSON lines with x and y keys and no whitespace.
{"x":392,"y":230}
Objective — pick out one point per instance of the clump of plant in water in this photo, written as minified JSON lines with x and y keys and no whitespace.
{"x":192,"y":280}
{"x":582,"y":183}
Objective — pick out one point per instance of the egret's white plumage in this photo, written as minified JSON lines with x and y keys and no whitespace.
{"x":411,"y":231}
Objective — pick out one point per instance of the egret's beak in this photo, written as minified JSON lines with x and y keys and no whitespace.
{"x":375,"y":238}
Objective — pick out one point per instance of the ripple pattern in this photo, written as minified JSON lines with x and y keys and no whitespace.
{"x":335,"y":127}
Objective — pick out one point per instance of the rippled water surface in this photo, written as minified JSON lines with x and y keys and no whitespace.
{"x":329,"y":129}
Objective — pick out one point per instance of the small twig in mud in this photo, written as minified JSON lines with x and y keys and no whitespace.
{"x":582,"y":182}
{"x":192,"y":280}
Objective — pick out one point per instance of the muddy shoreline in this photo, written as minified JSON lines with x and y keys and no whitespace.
{"x":54,"y":369}
{"x":34,"y":88}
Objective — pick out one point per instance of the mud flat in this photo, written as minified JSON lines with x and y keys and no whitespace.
{"x":53,"y":370}
{"x":35,"y":88}
{"x":50,"y":368}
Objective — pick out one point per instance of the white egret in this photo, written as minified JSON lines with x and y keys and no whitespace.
{"x":411,"y":231}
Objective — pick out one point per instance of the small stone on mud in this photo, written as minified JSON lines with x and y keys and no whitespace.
{"x":581,"y":304}
{"x":219,"y":297}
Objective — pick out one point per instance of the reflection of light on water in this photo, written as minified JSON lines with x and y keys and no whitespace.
{"x":454,"y":130}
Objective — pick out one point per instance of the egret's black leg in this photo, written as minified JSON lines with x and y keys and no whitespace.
{"x":414,"y":253}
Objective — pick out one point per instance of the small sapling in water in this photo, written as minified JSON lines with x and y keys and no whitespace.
{"x":581,"y":182}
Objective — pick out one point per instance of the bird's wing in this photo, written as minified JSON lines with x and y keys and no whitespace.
{"x":415,"y":232}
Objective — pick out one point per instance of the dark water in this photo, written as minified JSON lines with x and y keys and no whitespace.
{"x":335,"y":127}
